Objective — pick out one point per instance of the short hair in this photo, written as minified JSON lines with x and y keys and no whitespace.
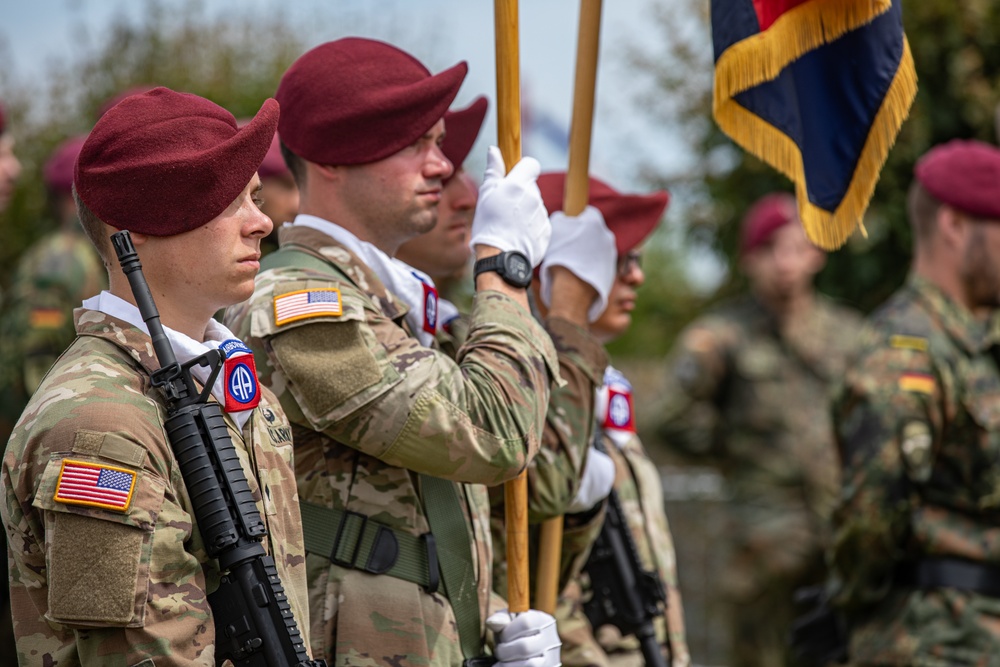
{"x":95,"y":229}
{"x":922,"y":208}
{"x":296,"y":165}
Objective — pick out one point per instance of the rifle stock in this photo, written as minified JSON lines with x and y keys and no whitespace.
{"x":254,"y":624}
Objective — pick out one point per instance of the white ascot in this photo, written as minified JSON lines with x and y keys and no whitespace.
{"x":185,"y":348}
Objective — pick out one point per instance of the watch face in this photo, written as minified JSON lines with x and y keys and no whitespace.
{"x":517,"y":269}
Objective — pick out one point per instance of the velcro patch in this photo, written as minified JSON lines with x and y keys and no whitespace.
{"x":307,"y":303}
{"x":94,"y":485}
{"x":920,"y":383}
{"x":430,"y":308}
{"x":901,"y":342}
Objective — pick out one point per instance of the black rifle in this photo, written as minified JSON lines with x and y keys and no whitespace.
{"x":254,"y":625}
{"x":625,"y":594}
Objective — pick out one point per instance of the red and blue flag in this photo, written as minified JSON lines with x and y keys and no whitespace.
{"x":818,"y":89}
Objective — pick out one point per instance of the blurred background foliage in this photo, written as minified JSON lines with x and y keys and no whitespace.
{"x":237,"y":59}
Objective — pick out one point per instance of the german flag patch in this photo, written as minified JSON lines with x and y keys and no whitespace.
{"x":921,"y":383}
{"x":94,"y":485}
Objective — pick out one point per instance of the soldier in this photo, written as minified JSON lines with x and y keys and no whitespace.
{"x":747,"y":390}
{"x":631,"y":218}
{"x":556,"y":476}
{"x":10,"y":168}
{"x":384,"y":424}
{"x":55,"y":274}
{"x":120,"y":575}
{"x":917,"y":422}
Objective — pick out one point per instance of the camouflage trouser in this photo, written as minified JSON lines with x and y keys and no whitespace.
{"x":761,"y":624}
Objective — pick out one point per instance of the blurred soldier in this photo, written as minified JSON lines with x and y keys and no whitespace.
{"x":748,"y":387}
{"x":53,"y":277}
{"x":918,"y":433}
{"x":108,"y":563}
{"x":10,"y":168}
{"x":393,"y":438}
{"x":631,"y":218}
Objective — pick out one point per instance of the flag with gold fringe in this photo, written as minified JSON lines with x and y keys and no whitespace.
{"x":818,"y":89}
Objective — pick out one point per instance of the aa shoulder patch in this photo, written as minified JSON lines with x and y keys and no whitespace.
{"x":94,"y":485}
{"x":901,"y":342}
{"x":921,"y":383}
{"x":303,"y":304}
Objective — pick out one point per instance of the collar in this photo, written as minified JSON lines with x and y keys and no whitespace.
{"x":413,"y":287}
{"x":973,"y":335}
{"x":185,"y":348}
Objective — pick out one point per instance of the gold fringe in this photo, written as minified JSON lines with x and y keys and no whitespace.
{"x":761,"y":57}
{"x":828,"y":230}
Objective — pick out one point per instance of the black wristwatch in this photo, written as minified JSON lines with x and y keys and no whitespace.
{"x":511,"y":265}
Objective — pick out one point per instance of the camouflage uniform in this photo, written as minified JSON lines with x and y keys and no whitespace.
{"x":554,"y":474}
{"x":640,"y":492}
{"x":53,"y":277}
{"x":92,"y":585}
{"x":754,"y":400}
{"x":918,"y":431}
{"x":371,"y":408}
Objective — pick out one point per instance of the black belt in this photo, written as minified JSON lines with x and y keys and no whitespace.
{"x":955,"y":573}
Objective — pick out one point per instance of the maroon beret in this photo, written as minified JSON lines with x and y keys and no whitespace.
{"x":768,"y":214}
{"x":58,"y":170}
{"x":965,"y":175}
{"x":461,"y":129}
{"x":128,"y":92}
{"x":163,"y":162}
{"x":631,"y":218}
{"x":356,"y":100}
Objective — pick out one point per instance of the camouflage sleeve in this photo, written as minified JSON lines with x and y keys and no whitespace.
{"x":888,"y":421}
{"x":553,"y":475}
{"x":93,"y":583}
{"x":360,"y":378}
{"x":696,"y":371}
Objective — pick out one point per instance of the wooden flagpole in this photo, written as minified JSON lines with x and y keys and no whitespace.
{"x":575,"y":197}
{"x":509,"y":139}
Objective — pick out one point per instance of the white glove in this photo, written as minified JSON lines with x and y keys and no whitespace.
{"x":510,"y":214}
{"x":584,"y":245}
{"x":595,"y":483}
{"x":528,"y":639}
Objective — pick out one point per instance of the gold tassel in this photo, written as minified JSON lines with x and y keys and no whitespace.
{"x":761,"y":57}
{"x":827,"y":230}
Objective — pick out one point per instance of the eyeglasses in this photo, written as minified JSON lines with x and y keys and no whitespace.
{"x":629,"y":262}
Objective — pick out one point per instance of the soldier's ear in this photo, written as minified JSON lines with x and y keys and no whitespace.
{"x":952,"y":227}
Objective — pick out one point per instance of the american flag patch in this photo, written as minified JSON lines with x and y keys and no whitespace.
{"x":306,"y":303}
{"x":95,"y":485}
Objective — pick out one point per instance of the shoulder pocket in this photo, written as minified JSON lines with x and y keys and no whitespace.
{"x":98,"y":539}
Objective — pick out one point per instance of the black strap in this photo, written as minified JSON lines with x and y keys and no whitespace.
{"x":966,"y":575}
